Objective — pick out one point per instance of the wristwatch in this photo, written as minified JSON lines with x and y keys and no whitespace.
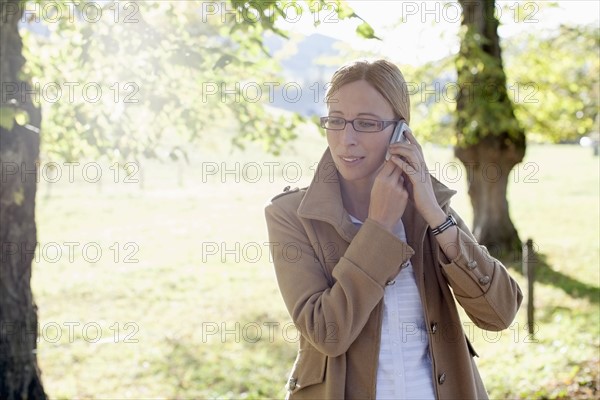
{"x":445,"y":225}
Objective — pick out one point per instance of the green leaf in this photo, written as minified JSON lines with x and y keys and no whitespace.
{"x":344,"y":10}
{"x":7,"y":117}
{"x":19,"y":196}
{"x":21,"y":117}
{"x":365,"y":30}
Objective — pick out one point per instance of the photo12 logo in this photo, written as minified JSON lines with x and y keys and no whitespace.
{"x":72,"y":331}
{"x":70,"y":171}
{"x":71,"y":92}
{"x":453,"y":11}
{"x":269,"y":92}
{"x":54,"y":12}
{"x":259,"y":12}
{"x":71,"y":252}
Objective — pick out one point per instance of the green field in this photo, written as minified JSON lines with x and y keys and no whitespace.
{"x":182,"y":301}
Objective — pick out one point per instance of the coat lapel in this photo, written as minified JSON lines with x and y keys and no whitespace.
{"x":323,"y":199}
{"x":323,"y":202}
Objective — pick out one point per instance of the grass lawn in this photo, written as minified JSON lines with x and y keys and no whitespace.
{"x":168,"y":290}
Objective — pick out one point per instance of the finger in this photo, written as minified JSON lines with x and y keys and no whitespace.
{"x":412,"y":139}
{"x":410,"y":153}
{"x":387,"y":168}
{"x":397,"y":178}
{"x":408,"y":169}
{"x":400,"y":179}
{"x":396,"y":174}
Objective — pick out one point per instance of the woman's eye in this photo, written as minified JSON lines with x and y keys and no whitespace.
{"x":366,"y":124}
{"x":336,"y":121}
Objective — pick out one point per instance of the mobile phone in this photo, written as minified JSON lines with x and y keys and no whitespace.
{"x":398,"y":136}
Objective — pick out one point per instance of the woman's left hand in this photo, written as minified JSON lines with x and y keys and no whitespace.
{"x":415,"y":169}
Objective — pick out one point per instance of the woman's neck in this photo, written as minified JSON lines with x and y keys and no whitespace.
{"x":356,"y":197}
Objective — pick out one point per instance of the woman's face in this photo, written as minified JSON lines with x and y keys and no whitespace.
{"x":358,"y":155}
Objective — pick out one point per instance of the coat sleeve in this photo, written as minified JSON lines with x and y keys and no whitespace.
{"x":481,"y":284}
{"x":330,"y":315}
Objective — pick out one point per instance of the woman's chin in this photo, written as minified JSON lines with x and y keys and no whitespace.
{"x":353,"y":176}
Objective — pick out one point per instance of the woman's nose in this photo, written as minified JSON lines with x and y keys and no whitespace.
{"x":349,"y":135}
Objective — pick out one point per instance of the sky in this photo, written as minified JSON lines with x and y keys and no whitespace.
{"x":429,"y":28}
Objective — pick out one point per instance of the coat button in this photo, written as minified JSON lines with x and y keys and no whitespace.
{"x":472,"y":264}
{"x":390,"y":283}
{"x":484,"y":280}
{"x":433,"y":327}
{"x":292,"y":383}
{"x":442,"y":378}
{"x":404,"y":264}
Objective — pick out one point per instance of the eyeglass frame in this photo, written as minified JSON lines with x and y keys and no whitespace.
{"x":385,"y":123}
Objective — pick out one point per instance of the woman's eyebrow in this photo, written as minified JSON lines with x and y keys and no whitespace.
{"x":359,"y":114}
{"x":371,"y":114}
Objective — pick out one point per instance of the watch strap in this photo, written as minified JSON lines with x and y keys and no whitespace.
{"x":450,"y":221}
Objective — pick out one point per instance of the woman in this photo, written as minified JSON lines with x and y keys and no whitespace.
{"x":366,"y":255}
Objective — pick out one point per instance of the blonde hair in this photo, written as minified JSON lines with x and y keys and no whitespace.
{"x":384,"y":76}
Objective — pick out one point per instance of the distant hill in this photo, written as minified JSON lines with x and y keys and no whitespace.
{"x":303,"y":87}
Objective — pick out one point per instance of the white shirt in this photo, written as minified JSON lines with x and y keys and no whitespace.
{"x":404,"y":369}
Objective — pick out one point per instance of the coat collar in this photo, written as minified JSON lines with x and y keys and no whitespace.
{"x":323,"y":201}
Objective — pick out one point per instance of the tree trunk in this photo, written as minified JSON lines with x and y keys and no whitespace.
{"x":490,"y":141}
{"x":19,"y":151}
{"x":487,"y":176}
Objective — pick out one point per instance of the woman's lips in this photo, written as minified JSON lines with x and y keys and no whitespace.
{"x":351,"y":160}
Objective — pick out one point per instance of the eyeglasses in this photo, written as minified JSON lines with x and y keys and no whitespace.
{"x":359,"y":124}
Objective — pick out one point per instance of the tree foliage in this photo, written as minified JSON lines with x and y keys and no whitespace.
{"x":483,"y":107}
{"x":120,"y":80}
{"x":555,"y":77}
{"x":133,"y":79}
{"x":552,"y":79}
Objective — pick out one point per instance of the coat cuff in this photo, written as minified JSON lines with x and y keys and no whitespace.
{"x":378,"y":252}
{"x":472,"y":271}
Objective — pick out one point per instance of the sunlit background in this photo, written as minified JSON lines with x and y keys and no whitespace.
{"x":152,"y":274}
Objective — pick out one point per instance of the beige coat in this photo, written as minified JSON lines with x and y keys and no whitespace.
{"x":332,"y":276}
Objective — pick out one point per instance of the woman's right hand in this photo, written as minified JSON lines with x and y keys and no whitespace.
{"x":388,"y":196}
